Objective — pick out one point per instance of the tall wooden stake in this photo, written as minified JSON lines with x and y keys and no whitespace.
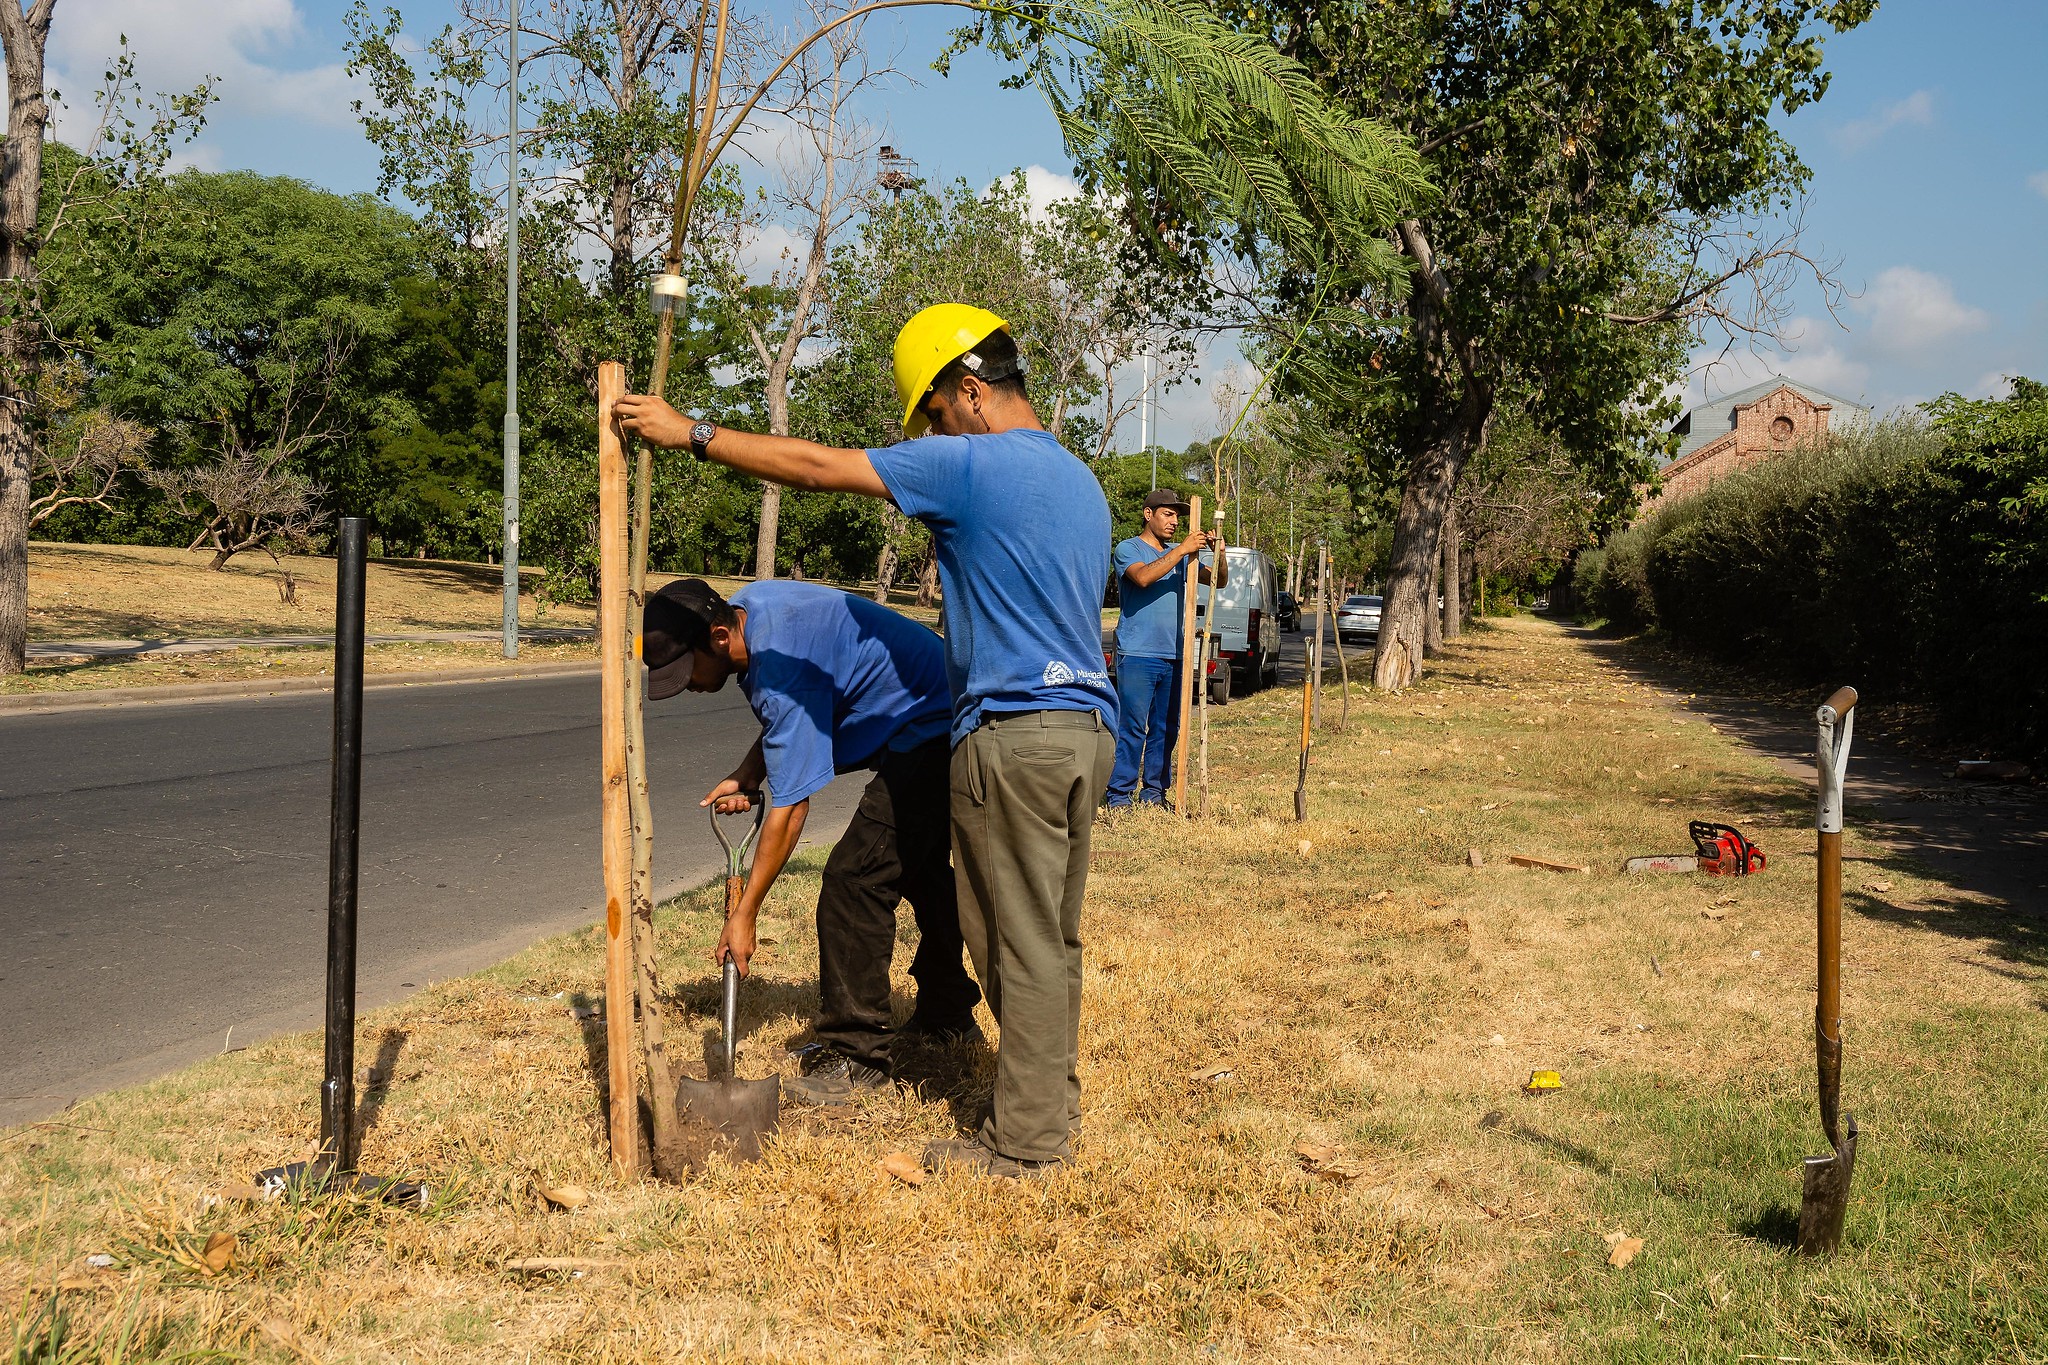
{"x":1187,"y":670}
{"x":614,"y":637}
{"x":1208,"y":635}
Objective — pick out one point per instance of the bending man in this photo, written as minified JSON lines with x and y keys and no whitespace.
{"x":838,"y":683}
{"x":1022,"y":534}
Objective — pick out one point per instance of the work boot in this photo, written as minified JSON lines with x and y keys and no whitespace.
{"x":970,"y":1154}
{"x":832,"y":1077}
{"x":957,"y":1030}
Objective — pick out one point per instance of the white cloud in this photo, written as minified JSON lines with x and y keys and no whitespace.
{"x":769,"y":248}
{"x":1819,"y":361}
{"x":1914,"y":111}
{"x":1992,"y":384}
{"x":1043,"y":188}
{"x":1911,"y":311}
{"x":2038,"y":181}
{"x":244,"y":44}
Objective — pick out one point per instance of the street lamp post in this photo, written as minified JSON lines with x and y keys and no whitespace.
{"x":512,"y":339}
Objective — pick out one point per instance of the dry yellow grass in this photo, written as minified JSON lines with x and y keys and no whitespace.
{"x":1374,"y":993}
{"x":79,"y":592}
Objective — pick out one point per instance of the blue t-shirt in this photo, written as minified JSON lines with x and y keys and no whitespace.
{"x":1022,"y":532}
{"x":1148,"y":626}
{"x":835,"y":680}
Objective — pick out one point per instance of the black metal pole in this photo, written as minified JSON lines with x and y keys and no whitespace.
{"x":338,"y":1090}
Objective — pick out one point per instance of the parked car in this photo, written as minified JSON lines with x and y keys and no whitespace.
{"x":1287,"y":612}
{"x":1358,"y":619}
{"x":1246,"y":625}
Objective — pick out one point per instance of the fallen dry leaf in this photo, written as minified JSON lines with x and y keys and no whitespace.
{"x":1711,"y":913}
{"x":1878,"y":886}
{"x":904,"y":1167}
{"x":1220,"y":1071}
{"x":240,"y":1191}
{"x":1622,"y":1248}
{"x":1379,"y":895}
{"x":1316,"y":1153}
{"x":219,"y":1253}
{"x":1304,"y":847}
{"x":566,"y":1196}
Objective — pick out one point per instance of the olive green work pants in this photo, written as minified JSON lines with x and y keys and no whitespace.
{"x":1025,"y":788}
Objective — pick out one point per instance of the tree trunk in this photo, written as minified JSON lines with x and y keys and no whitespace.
{"x":1454,"y":615}
{"x":1457,"y":409}
{"x":928,"y":580}
{"x":21,"y":183}
{"x":1433,"y":619}
{"x":764,"y":538}
{"x":893,"y":524}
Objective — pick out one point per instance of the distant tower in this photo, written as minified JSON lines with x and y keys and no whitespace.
{"x":898,"y":173}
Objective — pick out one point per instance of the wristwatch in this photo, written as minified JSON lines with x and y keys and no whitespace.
{"x":700,"y":437}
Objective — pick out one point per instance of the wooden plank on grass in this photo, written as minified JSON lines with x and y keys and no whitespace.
{"x":1543,"y":864}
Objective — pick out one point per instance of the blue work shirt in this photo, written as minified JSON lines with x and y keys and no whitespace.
{"x":835,"y":681}
{"x":1148,"y":626}
{"x":1022,"y":532}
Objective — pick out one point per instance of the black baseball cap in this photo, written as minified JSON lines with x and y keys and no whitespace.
{"x":1166,"y":497}
{"x":675,"y":621}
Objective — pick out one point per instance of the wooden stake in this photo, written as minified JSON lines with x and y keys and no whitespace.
{"x":1187,"y":670}
{"x":614,"y":637}
{"x":1208,"y":634}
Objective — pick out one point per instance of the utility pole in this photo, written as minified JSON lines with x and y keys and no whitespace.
{"x":512,"y":337}
{"x":1144,"y":419}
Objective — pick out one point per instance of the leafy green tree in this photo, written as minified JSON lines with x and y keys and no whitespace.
{"x":122,"y":160}
{"x":1601,"y":164}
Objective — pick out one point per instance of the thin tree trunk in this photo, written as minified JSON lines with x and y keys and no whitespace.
{"x":1433,"y":616}
{"x":1452,"y":579}
{"x":928,"y":581}
{"x":893,"y":525}
{"x":21,"y":183}
{"x":764,"y":538}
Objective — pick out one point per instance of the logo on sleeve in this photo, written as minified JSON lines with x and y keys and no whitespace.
{"x":1058,"y":674}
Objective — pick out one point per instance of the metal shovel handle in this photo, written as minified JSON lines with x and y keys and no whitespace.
{"x":736,"y":854}
{"x":1836,"y":721}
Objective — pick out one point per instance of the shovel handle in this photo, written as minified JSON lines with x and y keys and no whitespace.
{"x":729,"y":1017}
{"x":736,"y":854}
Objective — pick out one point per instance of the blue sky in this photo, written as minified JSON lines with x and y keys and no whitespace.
{"x":1930,"y":161}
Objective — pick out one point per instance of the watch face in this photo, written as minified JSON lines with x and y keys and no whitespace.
{"x":702,"y":433}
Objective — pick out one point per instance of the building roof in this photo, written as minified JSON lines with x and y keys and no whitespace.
{"x":1712,"y":420}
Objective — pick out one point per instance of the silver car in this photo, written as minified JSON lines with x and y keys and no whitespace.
{"x":1358,"y":619}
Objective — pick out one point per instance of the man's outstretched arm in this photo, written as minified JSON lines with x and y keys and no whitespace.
{"x":778,"y":459}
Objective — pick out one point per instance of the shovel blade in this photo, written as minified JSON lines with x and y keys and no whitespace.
{"x":727,"y":1116}
{"x":1824,"y":1200}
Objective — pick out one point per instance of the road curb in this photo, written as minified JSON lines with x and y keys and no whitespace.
{"x":45,"y":702}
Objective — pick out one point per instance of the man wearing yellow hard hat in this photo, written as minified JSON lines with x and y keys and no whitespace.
{"x":1023,"y":539}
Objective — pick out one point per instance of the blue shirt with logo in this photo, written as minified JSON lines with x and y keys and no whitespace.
{"x":1148,"y":624}
{"x":1022,"y":532}
{"x":835,"y":681}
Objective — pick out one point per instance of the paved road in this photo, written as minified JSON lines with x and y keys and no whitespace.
{"x":163,"y":868}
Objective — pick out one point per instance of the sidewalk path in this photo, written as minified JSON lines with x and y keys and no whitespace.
{"x":51,"y":651}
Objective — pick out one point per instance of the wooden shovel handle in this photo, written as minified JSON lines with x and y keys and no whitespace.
{"x":1842,"y":702}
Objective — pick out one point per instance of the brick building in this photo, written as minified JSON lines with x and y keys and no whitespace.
{"x":1741,"y":428}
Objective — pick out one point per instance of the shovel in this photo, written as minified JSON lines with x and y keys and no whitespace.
{"x":728,"y":1114}
{"x":1824,"y":1200}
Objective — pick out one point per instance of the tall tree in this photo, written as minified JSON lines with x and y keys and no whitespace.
{"x":1603,"y":164}
{"x":120,"y":154}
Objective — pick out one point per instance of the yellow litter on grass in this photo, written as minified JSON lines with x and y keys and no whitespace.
{"x":1540,"y":1081}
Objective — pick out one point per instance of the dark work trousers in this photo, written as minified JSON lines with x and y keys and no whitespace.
{"x":897,"y":847}
{"x":1025,"y":788}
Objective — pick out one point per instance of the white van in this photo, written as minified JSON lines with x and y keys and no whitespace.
{"x":1247,"y":624}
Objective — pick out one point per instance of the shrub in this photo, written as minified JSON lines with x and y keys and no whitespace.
{"x":1906,"y":558}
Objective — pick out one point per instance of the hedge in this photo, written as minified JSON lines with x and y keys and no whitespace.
{"x":1910,"y":559}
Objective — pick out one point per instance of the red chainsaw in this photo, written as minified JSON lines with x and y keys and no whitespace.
{"x":1718,"y":851}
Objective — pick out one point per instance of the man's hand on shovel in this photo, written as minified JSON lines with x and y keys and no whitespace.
{"x":736,"y":941}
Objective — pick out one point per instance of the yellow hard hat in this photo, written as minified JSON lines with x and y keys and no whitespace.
{"x":929,"y":342}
